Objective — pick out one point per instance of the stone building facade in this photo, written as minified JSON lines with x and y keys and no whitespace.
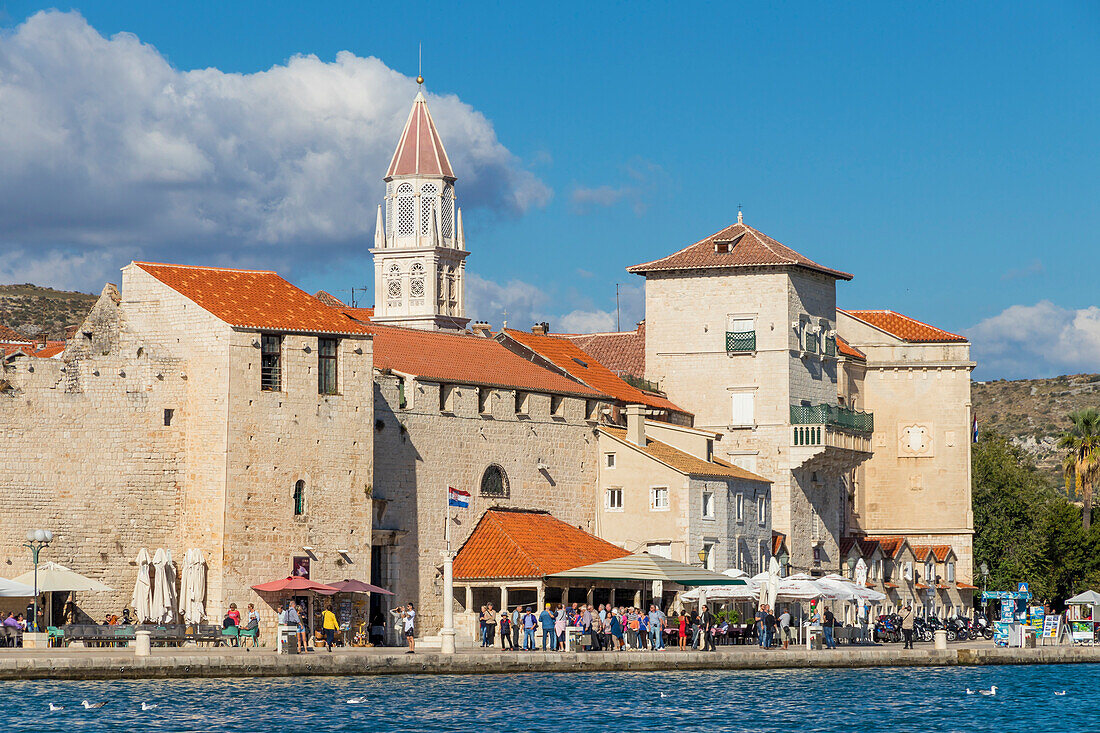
{"x":154,"y":430}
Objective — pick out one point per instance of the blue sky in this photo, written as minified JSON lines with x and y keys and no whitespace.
{"x":947,"y":154}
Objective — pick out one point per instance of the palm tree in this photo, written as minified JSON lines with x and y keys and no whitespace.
{"x":1082,"y":460}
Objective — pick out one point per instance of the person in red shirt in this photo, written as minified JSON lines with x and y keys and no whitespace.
{"x":234,"y":614}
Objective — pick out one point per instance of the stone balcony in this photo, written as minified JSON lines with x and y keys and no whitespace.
{"x":830,"y":437}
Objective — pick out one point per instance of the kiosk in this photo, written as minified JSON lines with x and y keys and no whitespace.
{"x":1009,"y":629}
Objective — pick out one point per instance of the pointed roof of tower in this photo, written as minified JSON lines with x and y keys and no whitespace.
{"x":420,"y":151}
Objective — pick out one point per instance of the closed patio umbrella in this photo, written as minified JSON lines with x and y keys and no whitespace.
{"x":772,"y":585}
{"x":164,"y":588}
{"x":142,"y":600}
{"x":193,"y":587}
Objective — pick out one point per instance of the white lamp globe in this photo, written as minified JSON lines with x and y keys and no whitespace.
{"x":30,"y":536}
{"x":49,"y":535}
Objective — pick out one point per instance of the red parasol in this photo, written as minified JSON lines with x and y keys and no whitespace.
{"x":294,"y":583}
{"x":358,"y":586}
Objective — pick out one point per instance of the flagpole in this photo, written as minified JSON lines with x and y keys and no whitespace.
{"x":447,"y":633}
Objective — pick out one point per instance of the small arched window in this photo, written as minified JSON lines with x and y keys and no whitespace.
{"x":494,"y":482}
{"x":427,"y":203}
{"x":299,"y":498}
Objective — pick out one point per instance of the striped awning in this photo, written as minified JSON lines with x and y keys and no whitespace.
{"x":645,"y":567}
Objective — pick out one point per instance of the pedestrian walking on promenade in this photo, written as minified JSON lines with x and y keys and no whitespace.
{"x":761,"y":616}
{"x":530,"y":623}
{"x":410,"y":627}
{"x":330,"y":625}
{"x":769,"y":628}
{"x":481,"y":627}
{"x":516,"y":625}
{"x":693,"y":624}
{"x":560,"y":622}
{"x":616,"y":630}
{"x":303,"y":644}
{"x":683,"y":631}
{"x":864,"y":615}
{"x":907,"y":626}
{"x":643,"y":629}
{"x":506,"y":632}
{"x":706,"y":622}
{"x":785,"y":627}
{"x":549,"y":638}
{"x":656,"y":628}
{"x":490,"y":625}
{"x":827,"y":627}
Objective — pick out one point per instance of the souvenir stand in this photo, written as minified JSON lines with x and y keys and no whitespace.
{"x":1083,"y":617}
{"x":1009,"y":629}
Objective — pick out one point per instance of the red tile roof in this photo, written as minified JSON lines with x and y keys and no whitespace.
{"x":328,"y":299}
{"x":891,"y":546}
{"x":966,"y":586}
{"x":571,"y":358}
{"x":623,"y":352}
{"x":846,"y":349}
{"x":685,"y":462}
{"x":257,"y":299}
{"x":420,"y":151}
{"x":50,"y":351}
{"x":866,"y":547}
{"x":904,"y":327}
{"x":11,"y":336}
{"x":744,"y":247}
{"x":527,"y":544}
{"x":440,"y":356}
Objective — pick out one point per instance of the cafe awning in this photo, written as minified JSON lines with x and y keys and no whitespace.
{"x":12,"y":589}
{"x":55,"y":577}
{"x":645,"y":567}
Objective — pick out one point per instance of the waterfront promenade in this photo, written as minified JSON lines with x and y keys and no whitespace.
{"x":120,"y":663}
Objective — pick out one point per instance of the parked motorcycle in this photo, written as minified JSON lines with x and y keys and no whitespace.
{"x":982,"y":627}
{"x":888,"y":628}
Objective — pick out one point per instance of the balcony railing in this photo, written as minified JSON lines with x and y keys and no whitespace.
{"x":832,"y":415}
{"x":740,"y":341}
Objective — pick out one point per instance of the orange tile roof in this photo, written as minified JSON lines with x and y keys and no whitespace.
{"x":846,"y":349}
{"x":623,"y":352}
{"x":888,"y":584}
{"x":941,"y":552}
{"x":685,"y":462}
{"x":921,"y":552}
{"x":328,"y":299}
{"x":866,"y":547}
{"x":904,"y":327}
{"x":747,"y":248}
{"x":527,"y":544}
{"x":966,"y":586}
{"x":257,"y":299}
{"x":11,"y":336}
{"x":359,"y":314}
{"x":920,"y":586}
{"x":569,"y":357}
{"x":440,"y":356}
{"x":891,"y":546}
{"x":50,"y":351}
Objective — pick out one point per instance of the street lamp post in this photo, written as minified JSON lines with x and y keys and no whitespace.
{"x":36,"y":540}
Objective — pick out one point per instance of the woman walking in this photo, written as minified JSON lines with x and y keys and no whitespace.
{"x":560,"y":623}
{"x":683,"y":631}
{"x":506,"y":632}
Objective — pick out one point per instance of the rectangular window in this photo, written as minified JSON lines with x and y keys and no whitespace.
{"x":615,"y":499}
{"x":950,"y":572}
{"x":658,"y":498}
{"x":743,"y":412}
{"x":326,"y":365}
{"x":484,"y":400}
{"x":907,"y":571}
{"x":557,"y":405}
{"x":876,"y":569}
{"x":739,"y":507}
{"x":402,"y":400}
{"x":763,"y":556}
{"x":521,"y":402}
{"x":762,"y":510}
{"x":271,"y":362}
{"x":609,"y":460}
{"x":168,"y":413}
{"x":708,"y":555}
{"x":447,"y":398}
{"x":740,"y":334}
{"x":591,"y":410}
{"x":708,"y":505}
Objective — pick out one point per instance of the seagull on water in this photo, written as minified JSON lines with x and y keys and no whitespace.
{"x":991,"y":691}
{"x":148,"y":705}
{"x":969,"y":691}
{"x":92,"y":705}
{"x":357,"y":700}
{"x":55,"y":708}
{"x":1060,"y":693}
{"x":662,"y":694}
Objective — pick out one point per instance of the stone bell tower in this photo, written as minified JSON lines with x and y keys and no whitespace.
{"x":419,"y":246}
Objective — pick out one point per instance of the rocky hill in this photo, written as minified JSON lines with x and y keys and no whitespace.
{"x":29,"y":309}
{"x":1034,"y":412}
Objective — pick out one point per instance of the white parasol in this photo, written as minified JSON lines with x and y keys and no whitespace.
{"x":164,"y":588}
{"x":142,"y":599}
{"x":193,"y":587}
{"x":861,"y":572}
{"x":771,"y":587}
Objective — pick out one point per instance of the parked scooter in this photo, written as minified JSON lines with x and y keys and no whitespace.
{"x":982,"y":627}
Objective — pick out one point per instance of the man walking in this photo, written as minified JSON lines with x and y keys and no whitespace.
{"x":827,"y":628}
{"x":529,"y":625}
{"x":517,"y":625}
{"x":656,"y":628}
{"x":549,"y":638}
{"x":410,"y":626}
{"x":785,"y":627}
{"x":761,"y":617}
{"x":907,"y":626}
{"x":769,"y":628}
{"x":706,"y":622}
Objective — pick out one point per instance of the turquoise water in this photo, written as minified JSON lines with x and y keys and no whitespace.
{"x":853,"y":701}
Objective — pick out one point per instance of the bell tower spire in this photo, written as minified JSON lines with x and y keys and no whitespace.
{"x":419,"y":249}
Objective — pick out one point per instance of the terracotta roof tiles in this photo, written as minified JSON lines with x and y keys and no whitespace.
{"x":441,"y":356}
{"x":527,"y":544}
{"x":685,"y":462}
{"x":623,"y":352}
{"x":738,"y":245}
{"x":258,"y":299}
{"x":904,"y":327}
{"x":11,"y":336}
{"x":571,"y":358}
{"x":846,"y":349}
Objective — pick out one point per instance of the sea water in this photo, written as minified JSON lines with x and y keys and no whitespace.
{"x":787,"y":701}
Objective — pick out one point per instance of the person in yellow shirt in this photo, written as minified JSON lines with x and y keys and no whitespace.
{"x":330,"y":625}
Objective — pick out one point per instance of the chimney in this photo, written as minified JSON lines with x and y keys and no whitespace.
{"x":42,"y":337}
{"x":635,"y":424}
{"x":541,"y":328}
{"x":481,"y":328}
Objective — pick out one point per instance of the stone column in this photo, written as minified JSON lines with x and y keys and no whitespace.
{"x":503,"y":598}
{"x":469,"y":599}
{"x":591,"y":595}
{"x":540,"y":596}
{"x":612,"y":598}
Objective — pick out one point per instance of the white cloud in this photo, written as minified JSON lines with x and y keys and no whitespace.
{"x":645,"y":180}
{"x":1040,"y":340}
{"x":105,"y":146}
{"x":1035,"y":267}
{"x":580,"y":321}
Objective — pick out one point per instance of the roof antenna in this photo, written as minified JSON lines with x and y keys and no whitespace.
{"x":739,"y":219}
{"x":420,"y":64}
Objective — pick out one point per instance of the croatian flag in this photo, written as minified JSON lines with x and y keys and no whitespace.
{"x":974,"y":435}
{"x":457,"y":497}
